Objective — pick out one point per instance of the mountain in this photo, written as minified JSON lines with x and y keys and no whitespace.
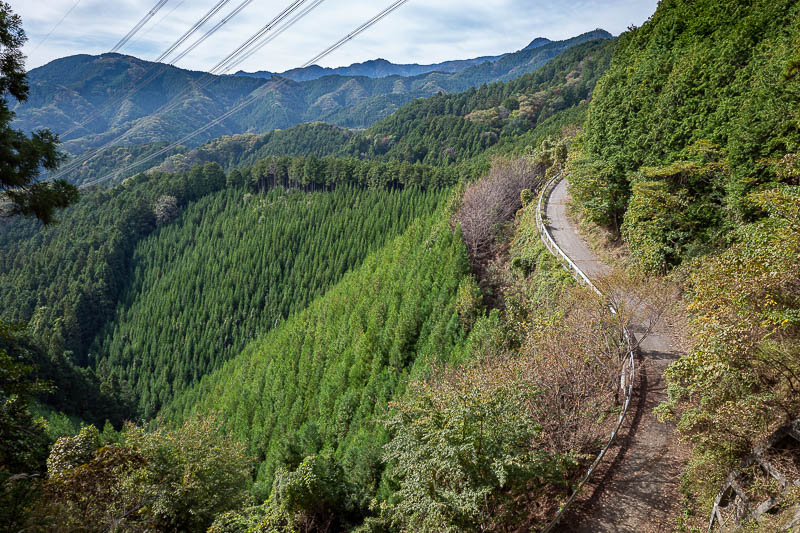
{"x":374,"y":317}
{"x":541,"y":41}
{"x":78,"y":86}
{"x":376,"y":68}
{"x":445,"y":129}
{"x":381,"y":68}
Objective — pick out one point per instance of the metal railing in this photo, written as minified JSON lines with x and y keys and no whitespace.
{"x":629,"y":367}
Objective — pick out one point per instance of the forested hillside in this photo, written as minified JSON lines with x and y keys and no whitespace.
{"x":68,"y":88}
{"x":690,"y":158}
{"x":499,"y":118}
{"x":698,"y":109}
{"x":323,"y":377}
{"x":232,"y":267}
{"x":110,"y":283}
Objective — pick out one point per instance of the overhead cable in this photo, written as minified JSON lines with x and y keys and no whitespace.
{"x":211,"y":12}
{"x":257,"y":94}
{"x":41,"y":42}
{"x":207,"y":79}
{"x":139,"y":25}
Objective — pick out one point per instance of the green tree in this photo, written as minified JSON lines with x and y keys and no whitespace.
{"x":163,"y":480}
{"x":23,"y":157}
{"x":23,"y":442}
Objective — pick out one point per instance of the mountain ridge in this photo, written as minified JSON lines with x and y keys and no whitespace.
{"x":382,"y":68}
{"x":76,"y":87}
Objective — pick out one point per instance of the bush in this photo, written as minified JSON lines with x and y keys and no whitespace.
{"x":466,"y":447}
{"x":740,"y":380}
{"x":169,"y":480}
{"x":70,"y":452}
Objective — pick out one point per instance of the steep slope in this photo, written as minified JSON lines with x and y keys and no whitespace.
{"x":698,"y":109}
{"x":690,"y":155}
{"x":322,"y":379}
{"x":69,"y":90}
{"x":232,"y":267}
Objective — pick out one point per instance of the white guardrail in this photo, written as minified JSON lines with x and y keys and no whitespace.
{"x":627,"y":375}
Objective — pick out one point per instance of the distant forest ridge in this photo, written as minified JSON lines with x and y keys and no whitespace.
{"x":381,"y":68}
{"x":67,"y":92}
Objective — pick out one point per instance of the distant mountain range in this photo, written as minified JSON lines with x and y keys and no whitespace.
{"x":66,"y":91}
{"x":381,"y":68}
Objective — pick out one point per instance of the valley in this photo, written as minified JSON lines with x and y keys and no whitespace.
{"x":334,"y":309}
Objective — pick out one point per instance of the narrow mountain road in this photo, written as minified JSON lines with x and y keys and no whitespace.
{"x":636,"y":489}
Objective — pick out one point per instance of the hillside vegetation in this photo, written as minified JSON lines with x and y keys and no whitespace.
{"x":690,"y":156}
{"x":498,"y":118}
{"x":371,"y":317}
{"x":70,"y":87}
{"x":229,"y":269}
{"x":698,"y":109}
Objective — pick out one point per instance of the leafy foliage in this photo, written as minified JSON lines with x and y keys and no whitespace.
{"x":465,"y":448}
{"x":176,"y":480}
{"x":23,"y":441}
{"x":740,"y":382}
{"x":22,"y":157}
{"x":697,"y":80}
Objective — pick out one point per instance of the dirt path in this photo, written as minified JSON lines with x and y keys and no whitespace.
{"x":636,"y":488}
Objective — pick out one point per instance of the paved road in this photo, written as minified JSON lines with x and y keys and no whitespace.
{"x":637,"y":489}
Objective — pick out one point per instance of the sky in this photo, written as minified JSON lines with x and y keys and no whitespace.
{"x":421,"y":31}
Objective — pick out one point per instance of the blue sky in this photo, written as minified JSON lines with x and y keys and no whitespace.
{"x":422,"y":31}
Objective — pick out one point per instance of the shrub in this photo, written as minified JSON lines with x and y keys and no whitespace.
{"x":466,"y":447}
{"x":168,"y":480}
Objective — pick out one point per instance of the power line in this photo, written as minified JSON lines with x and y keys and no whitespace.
{"x":213,"y":11}
{"x":207,"y":79}
{"x":258,"y":35}
{"x":40,"y":43}
{"x":272,"y":36}
{"x":153,"y":75}
{"x":139,"y":25}
{"x":213,"y":30}
{"x":258,"y":94}
{"x":160,"y":21}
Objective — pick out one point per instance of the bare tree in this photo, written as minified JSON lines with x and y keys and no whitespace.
{"x":492,"y":201}
{"x":166,"y":209}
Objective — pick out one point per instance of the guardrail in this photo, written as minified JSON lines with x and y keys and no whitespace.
{"x":626,"y":376}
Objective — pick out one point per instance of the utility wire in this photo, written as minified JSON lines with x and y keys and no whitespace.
{"x":213,"y":30}
{"x":207,"y":79}
{"x":272,"y":36}
{"x":158,"y":24}
{"x":155,"y":72}
{"x":40,"y":43}
{"x":213,"y":11}
{"x":257,"y":94}
{"x":258,"y":35}
{"x":139,"y":25}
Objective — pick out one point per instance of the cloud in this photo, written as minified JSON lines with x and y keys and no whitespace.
{"x":422,"y":31}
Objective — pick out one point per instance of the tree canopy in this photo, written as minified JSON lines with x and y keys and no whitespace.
{"x":23,"y":157}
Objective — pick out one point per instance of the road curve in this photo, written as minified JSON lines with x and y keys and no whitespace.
{"x":637,"y":487}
